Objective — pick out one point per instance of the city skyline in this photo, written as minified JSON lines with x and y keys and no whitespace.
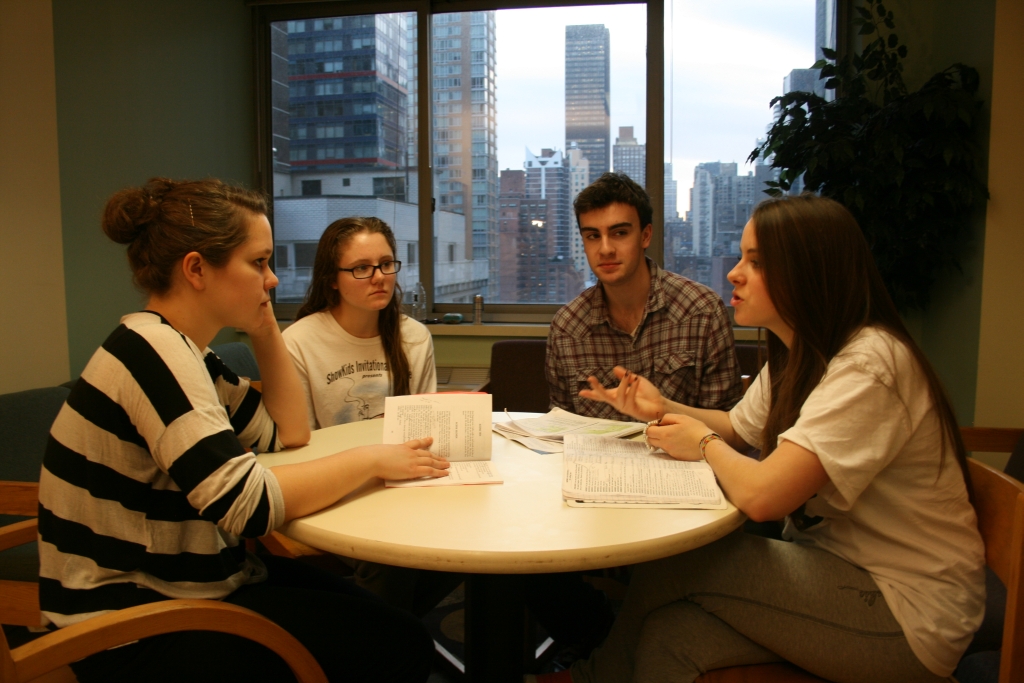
{"x":721,"y":94}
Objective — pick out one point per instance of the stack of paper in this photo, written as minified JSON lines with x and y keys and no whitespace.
{"x":603,"y":472}
{"x":545,"y":434}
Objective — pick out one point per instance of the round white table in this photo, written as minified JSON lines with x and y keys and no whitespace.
{"x":519,"y":527}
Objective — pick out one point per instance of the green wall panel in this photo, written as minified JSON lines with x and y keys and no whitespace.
{"x":143,"y":89}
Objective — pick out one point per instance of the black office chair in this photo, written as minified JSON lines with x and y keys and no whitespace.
{"x":517,"y":376}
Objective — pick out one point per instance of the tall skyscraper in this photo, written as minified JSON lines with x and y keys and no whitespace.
{"x":629,"y":156}
{"x":579,"y":178}
{"x":464,"y":117}
{"x":587,"y":94}
{"x":671,"y":194}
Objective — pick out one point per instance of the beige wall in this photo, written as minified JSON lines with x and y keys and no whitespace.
{"x":1000,"y":397}
{"x":34,"y":342}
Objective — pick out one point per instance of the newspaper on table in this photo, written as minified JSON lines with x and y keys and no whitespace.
{"x":545,"y":433}
{"x":459,"y":425}
{"x":599,"y":471}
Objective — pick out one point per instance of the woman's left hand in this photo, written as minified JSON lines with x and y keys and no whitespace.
{"x":678,"y":435}
{"x":267,"y":323}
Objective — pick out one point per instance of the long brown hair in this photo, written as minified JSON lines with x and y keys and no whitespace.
{"x":165,"y":219}
{"x":322,"y":296}
{"x":822,"y":279}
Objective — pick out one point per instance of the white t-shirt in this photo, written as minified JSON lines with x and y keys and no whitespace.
{"x":346,"y":378}
{"x":892,"y":505}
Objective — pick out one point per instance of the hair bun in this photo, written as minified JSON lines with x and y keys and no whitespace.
{"x":131,"y":210}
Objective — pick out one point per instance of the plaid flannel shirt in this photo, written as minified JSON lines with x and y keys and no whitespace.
{"x":683,"y":345}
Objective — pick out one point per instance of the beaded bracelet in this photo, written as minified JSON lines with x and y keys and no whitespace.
{"x":708,"y":438}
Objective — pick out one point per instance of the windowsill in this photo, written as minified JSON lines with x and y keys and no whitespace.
{"x":525,"y":330}
{"x":538,"y":331}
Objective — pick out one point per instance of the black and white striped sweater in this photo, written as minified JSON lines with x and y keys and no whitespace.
{"x":147,"y":482}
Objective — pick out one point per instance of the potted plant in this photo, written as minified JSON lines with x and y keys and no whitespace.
{"x":904,"y":163}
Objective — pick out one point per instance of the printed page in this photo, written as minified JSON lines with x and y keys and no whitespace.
{"x":600,"y":469}
{"x":459,"y":423}
{"x":459,"y":474}
{"x":558,"y":423}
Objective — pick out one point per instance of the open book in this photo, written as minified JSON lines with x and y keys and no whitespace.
{"x":545,"y":433}
{"x":461,"y":427}
{"x":599,"y":471}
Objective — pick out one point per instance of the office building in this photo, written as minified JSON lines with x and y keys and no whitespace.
{"x":629,"y":156}
{"x":534,"y":232}
{"x":347,"y":90}
{"x":464,"y":118}
{"x":579,"y":178}
{"x":587,"y":94}
{"x":671,"y":194}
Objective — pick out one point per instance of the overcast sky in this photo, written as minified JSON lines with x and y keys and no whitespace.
{"x":730,"y":58}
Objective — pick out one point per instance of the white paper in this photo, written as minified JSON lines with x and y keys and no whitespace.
{"x":599,"y":470}
{"x":558,"y":423}
{"x":533,"y":443}
{"x":459,"y":423}
{"x":459,"y":474}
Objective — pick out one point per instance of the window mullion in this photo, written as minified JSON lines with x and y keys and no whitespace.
{"x":424,"y":153}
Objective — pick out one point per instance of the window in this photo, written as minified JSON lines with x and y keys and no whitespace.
{"x":342,"y":97}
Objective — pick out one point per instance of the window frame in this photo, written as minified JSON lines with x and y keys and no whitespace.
{"x":266,"y":12}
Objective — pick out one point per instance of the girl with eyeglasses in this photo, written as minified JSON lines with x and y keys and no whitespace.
{"x":352,"y":347}
{"x":149,"y":481}
{"x":350,"y":342}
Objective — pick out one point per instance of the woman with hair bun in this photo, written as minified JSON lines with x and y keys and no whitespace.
{"x":150,"y":480}
{"x":859,"y":451}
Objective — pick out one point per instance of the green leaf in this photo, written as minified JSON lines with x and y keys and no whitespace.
{"x":829,"y":53}
{"x":864,"y":12}
{"x":880,"y":9}
{"x":902,"y":51}
{"x":893,"y":40}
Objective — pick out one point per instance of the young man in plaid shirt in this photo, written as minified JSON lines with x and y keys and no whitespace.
{"x":659,"y":325}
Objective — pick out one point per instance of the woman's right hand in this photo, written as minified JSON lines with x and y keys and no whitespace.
{"x":410,"y":460}
{"x":635,"y":396}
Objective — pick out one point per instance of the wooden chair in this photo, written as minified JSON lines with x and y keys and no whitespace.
{"x":999,"y":503}
{"x":50,"y":654}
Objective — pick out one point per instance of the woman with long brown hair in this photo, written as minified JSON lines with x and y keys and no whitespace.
{"x":352,"y":347}
{"x":149,"y":478}
{"x":859,"y":451}
{"x":350,"y":342}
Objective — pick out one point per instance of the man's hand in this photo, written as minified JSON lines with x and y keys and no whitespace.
{"x":635,"y":396}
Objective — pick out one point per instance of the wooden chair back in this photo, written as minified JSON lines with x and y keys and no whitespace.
{"x":999,"y":503}
{"x":19,"y":600}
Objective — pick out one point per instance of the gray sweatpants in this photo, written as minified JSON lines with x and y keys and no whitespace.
{"x":752,"y":600}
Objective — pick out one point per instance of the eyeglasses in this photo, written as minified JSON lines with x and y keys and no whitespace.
{"x":366,"y":272}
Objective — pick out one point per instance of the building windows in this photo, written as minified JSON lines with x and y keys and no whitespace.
{"x":311,"y":188}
